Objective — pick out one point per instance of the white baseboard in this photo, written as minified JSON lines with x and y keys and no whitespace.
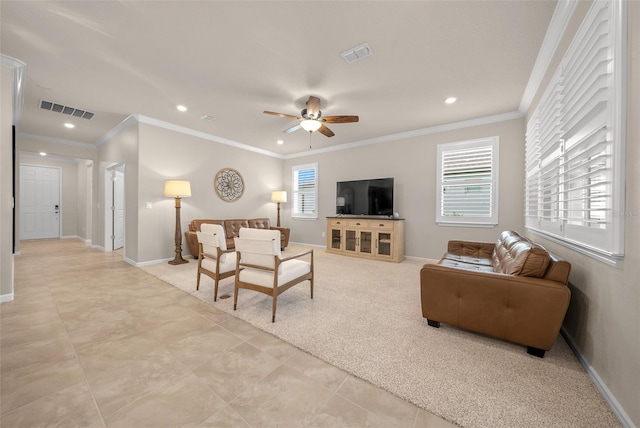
{"x":597,"y":380}
{"x":6,"y":298}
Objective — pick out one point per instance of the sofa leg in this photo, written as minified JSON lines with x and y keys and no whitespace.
{"x":433,"y":323}
{"x":536,"y":352}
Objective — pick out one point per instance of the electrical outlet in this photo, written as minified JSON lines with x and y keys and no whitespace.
{"x":323,"y":234}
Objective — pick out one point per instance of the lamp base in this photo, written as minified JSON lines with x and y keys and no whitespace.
{"x":178,"y":261}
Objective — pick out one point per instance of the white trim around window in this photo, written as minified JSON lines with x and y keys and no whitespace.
{"x":467,"y":183}
{"x":305,"y":191}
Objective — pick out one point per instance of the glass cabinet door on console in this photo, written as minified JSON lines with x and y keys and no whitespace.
{"x":383,"y":242}
{"x":336,"y":239}
{"x":350,"y":241}
{"x":358,"y":241}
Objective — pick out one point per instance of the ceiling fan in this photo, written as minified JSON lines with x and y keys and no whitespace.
{"x":312,"y":120}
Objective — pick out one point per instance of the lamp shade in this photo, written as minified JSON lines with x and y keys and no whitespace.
{"x":177,"y":188}
{"x":279,"y":196}
{"x":310,"y":125}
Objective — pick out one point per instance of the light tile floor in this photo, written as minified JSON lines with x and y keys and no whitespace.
{"x":90,"y":341}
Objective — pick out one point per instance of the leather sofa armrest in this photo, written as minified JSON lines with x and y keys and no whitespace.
{"x":192,"y":242}
{"x":480,"y":250}
{"x":284,"y":235}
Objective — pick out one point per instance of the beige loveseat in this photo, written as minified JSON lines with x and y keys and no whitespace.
{"x":513,"y":289}
{"x":231,"y":229}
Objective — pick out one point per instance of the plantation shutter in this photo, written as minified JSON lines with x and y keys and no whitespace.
{"x":305,"y":191}
{"x":574,"y":144}
{"x":467,"y":182}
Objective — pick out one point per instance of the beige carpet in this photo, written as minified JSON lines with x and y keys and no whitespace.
{"x":366,"y":319}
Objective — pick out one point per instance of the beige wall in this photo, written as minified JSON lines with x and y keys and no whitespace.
{"x":604,"y":315}
{"x":166,"y":154}
{"x":412,"y":163}
{"x":122,"y":149}
{"x":6,"y":180}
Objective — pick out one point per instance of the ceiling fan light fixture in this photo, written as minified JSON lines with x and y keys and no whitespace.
{"x":310,"y":125}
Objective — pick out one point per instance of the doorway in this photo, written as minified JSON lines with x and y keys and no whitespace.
{"x":114,"y":207}
{"x":39,"y":202}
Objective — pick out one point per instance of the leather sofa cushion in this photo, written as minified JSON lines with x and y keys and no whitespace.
{"x":232,"y":227}
{"x":516,"y":255}
{"x":478,"y":250}
{"x":466,"y":265}
{"x":194,"y":226}
{"x":260,"y":223}
{"x":468,"y":259}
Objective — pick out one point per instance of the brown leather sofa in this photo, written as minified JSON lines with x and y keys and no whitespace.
{"x":231,"y":228}
{"x":513,"y":289}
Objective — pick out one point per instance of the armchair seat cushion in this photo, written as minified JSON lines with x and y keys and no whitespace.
{"x":289,"y":271}
{"x":227,"y":263}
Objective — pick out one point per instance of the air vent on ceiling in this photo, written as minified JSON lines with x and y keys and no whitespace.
{"x":208,"y":118}
{"x":71,"y":111}
{"x":357,"y":53}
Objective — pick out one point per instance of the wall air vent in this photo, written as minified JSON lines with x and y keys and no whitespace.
{"x":71,"y":111}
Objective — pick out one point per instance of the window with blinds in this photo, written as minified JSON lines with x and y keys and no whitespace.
{"x":575,"y":140}
{"x":305,"y":191}
{"x":467,"y":182}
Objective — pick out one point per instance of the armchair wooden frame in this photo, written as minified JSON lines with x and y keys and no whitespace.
{"x":275,"y":289}
{"x":211,"y":240}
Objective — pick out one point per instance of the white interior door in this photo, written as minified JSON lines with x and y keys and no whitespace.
{"x":39,"y":202}
{"x":118,"y":210}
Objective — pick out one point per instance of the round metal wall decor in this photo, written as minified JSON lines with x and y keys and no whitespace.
{"x":228,"y":184}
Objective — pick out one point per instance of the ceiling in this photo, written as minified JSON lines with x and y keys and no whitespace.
{"x":235,"y":59}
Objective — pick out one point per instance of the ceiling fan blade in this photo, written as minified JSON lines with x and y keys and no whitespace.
{"x":340,"y":119}
{"x":286,"y":116}
{"x":313,"y":107}
{"x":326,"y":131}
{"x":292,"y":129}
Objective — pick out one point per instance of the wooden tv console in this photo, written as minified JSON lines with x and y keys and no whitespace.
{"x":367,"y":237}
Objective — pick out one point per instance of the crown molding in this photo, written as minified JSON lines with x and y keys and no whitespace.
{"x":129,"y":120}
{"x":415,"y":133}
{"x":557,"y":27}
{"x":57,"y":140}
{"x":203,"y":135}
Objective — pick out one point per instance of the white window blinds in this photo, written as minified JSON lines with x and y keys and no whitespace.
{"x":575,"y":140}
{"x":467,"y":182}
{"x":305,"y":191}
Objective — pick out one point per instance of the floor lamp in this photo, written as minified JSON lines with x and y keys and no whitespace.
{"x":279,"y":196}
{"x":177,"y":189}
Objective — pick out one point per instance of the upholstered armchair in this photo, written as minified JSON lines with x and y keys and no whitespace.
{"x":214,"y":260}
{"x":260,"y":266}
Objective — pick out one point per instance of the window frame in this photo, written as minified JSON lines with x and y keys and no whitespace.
{"x":295,"y":213}
{"x":447,"y":149}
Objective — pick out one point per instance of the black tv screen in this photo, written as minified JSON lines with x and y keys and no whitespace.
{"x":365,"y":197}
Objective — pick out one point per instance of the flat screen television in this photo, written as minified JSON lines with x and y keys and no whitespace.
{"x":372,"y":197}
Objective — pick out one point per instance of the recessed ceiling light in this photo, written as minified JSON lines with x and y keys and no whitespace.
{"x":450,"y":100}
{"x":69,"y":125}
{"x":43,"y":153}
{"x":182,"y":108}
{"x":280,"y":142}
